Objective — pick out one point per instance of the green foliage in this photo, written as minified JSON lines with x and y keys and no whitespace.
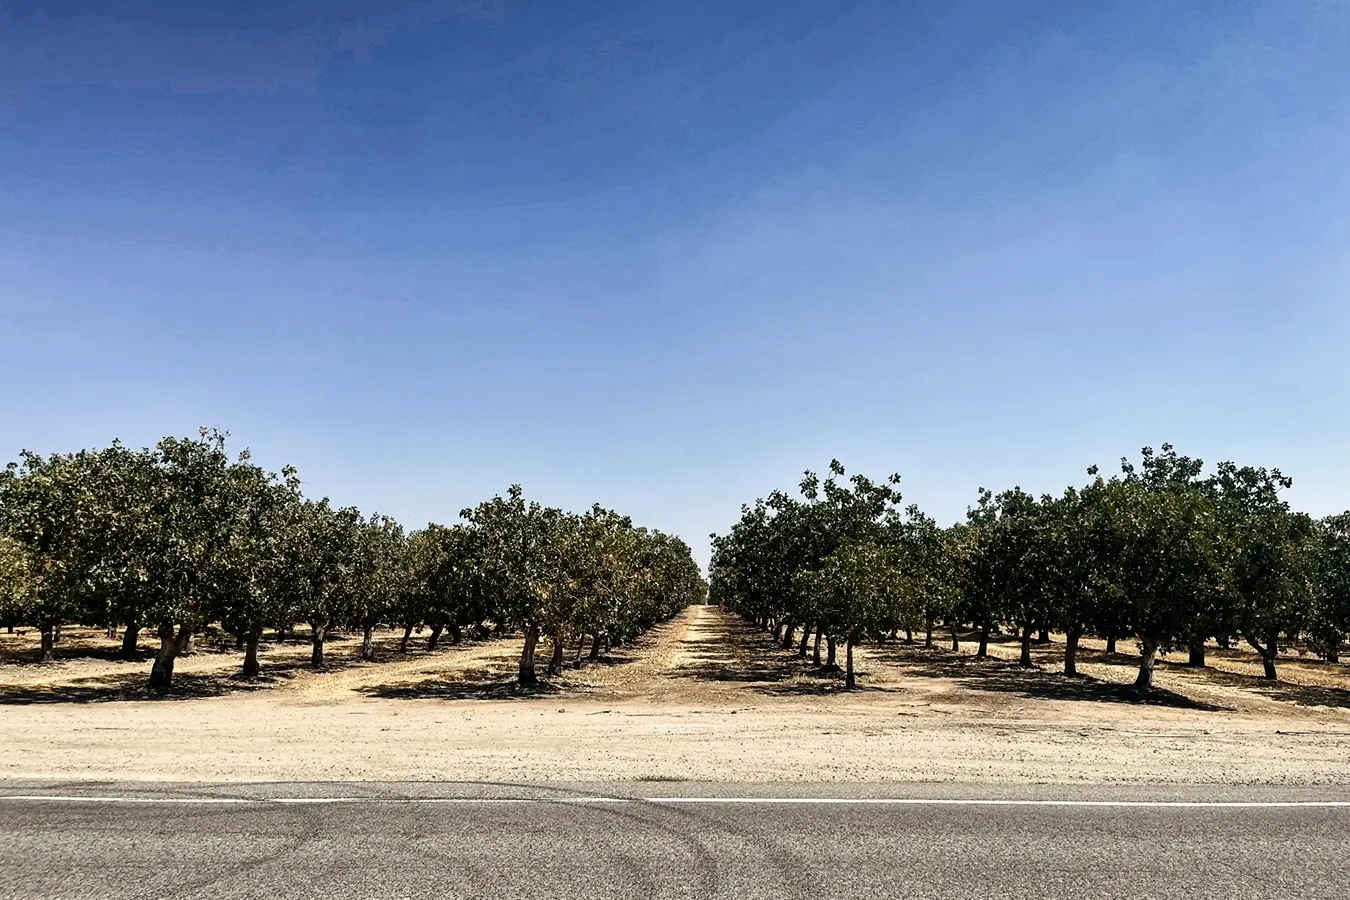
{"x":182,"y":535}
{"x":1160,"y":551}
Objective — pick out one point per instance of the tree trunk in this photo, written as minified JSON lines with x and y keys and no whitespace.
{"x":788,"y":634}
{"x":1333,"y":655}
{"x":777,"y":631}
{"x":815,"y":656}
{"x":251,"y":653}
{"x":909,"y":635}
{"x":1268,"y":652}
{"x":1111,"y":643}
{"x":239,"y":641}
{"x":956,"y":638}
{"x":1025,"y":659}
{"x":455,"y":634}
{"x":983,"y":652}
{"x":435,"y":637}
{"x":56,"y":634}
{"x":526,"y":675}
{"x":48,"y":639}
{"x":1148,"y":656}
{"x":1044,"y":636}
{"x":595,"y":647}
{"x":555,"y":661}
{"x":1196,"y":654}
{"x":806,"y":639}
{"x":170,"y":648}
{"x":189,"y":646}
{"x":368,"y":641}
{"x":407,"y":635}
{"x":130,"y":638}
{"x":316,"y":651}
{"x":850,"y":682}
{"x":581,"y":645}
{"x":1071,"y":639}
{"x":829,"y":657}
{"x":928,"y":634}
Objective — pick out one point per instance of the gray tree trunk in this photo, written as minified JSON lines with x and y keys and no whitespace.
{"x":1148,"y":658}
{"x":368,"y":641}
{"x":983,"y":652}
{"x":1071,"y":652}
{"x":407,"y":635}
{"x":130,"y":638}
{"x":251,"y":653}
{"x":556,"y":659}
{"x":815,"y":656}
{"x":829,"y":655}
{"x":1196,"y":655}
{"x":48,"y":639}
{"x":850,"y":682}
{"x":1024,"y":660}
{"x":170,"y":648}
{"x":434,"y":638}
{"x":316,"y":648}
{"x":526,"y":675}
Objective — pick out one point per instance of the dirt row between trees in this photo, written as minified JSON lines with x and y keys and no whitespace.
{"x":702,"y":697}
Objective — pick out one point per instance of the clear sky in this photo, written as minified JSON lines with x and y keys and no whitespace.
{"x":666,"y":255}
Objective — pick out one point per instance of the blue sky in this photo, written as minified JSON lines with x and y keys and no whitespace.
{"x":665,"y":256}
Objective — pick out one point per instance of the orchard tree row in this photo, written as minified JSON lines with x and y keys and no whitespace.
{"x":1163,"y":552}
{"x":184,"y":536}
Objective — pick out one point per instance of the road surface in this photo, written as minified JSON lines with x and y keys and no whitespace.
{"x":657,"y":840}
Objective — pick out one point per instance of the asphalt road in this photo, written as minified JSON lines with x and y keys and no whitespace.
{"x":663,"y":840}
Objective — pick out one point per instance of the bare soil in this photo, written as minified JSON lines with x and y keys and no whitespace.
{"x":702,"y":697}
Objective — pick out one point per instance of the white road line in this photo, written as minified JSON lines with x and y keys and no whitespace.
{"x":788,"y":801}
{"x":47,"y":798}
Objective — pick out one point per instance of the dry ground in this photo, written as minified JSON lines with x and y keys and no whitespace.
{"x":702,"y":697}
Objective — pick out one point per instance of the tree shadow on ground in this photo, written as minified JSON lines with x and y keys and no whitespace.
{"x":28,"y":658}
{"x":135,"y":686}
{"x":494,"y":688}
{"x":1285,"y":691}
{"x":750,"y":657}
{"x":1006,"y":676}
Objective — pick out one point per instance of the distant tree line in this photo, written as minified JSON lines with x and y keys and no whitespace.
{"x":183,"y":536}
{"x":1162,"y":552}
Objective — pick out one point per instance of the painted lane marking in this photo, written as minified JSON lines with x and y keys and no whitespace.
{"x":742,"y":801}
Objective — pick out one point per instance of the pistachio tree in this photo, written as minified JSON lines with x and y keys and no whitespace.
{"x":1269,"y":556}
{"x":1163,"y":538}
{"x":858,"y":590}
{"x":1329,"y":618}
{"x":521,"y":563}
